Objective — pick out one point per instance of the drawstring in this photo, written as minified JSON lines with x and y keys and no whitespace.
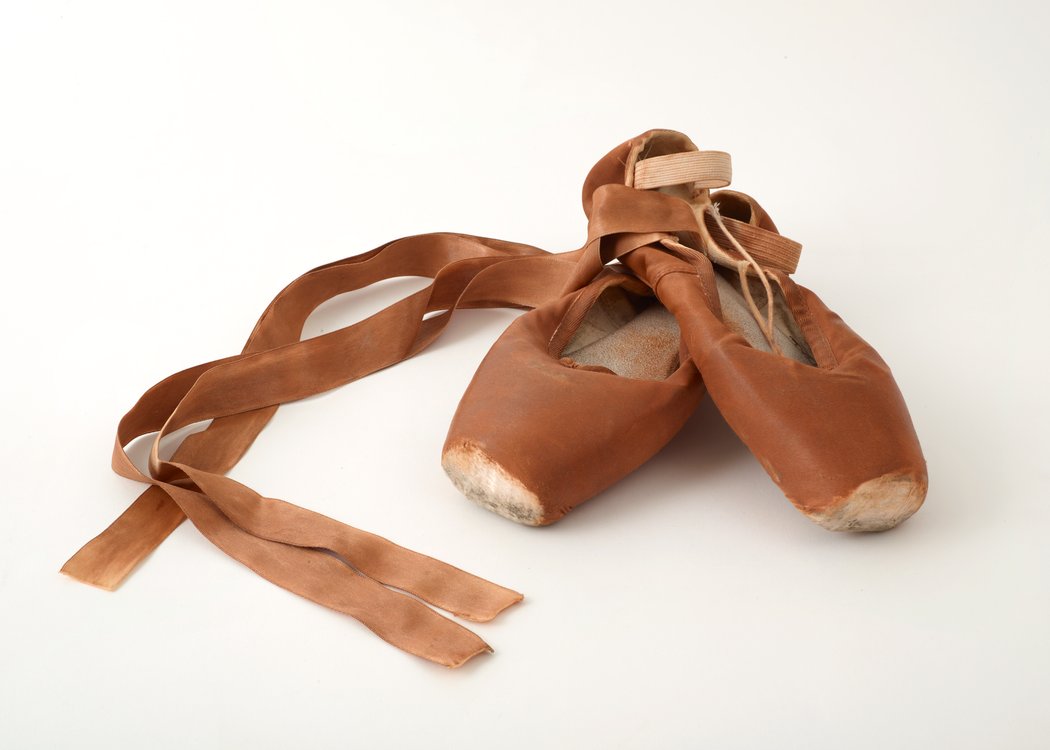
{"x":764,"y":323}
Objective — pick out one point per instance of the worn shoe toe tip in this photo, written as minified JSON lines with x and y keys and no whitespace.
{"x":876,"y":505}
{"x":483,"y":480}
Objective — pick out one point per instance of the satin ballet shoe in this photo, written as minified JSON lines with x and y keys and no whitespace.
{"x":813,"y":401}
{"x":580,"y":392}
{"x":574,"y":395}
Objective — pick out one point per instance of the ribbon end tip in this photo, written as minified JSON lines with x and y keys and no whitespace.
{"x":483,"y":648}
{"x":104,"y":584}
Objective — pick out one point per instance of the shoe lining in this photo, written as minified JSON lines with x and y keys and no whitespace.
{"x":633,"y":336}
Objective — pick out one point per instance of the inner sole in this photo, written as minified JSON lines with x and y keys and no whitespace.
{"x":634,"y":337}
{"x":737,"y":316}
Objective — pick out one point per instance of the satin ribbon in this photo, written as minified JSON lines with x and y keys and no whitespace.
{"x":346,"y":569}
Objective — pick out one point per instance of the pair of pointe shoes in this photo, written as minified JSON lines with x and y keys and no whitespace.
{"x":581,"y":391}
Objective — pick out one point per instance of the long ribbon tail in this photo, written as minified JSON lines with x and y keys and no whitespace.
{"x":314,"y":556}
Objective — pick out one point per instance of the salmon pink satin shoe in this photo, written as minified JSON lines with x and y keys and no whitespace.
{"x":813,"y":401}
{"x":581,"y":391}
{"x":571,"y":398}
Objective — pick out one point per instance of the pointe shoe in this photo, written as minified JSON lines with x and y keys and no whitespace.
{"x":574,"y":395}
{"x":813,"y":401}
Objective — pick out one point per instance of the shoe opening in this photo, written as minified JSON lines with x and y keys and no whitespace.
{"x":632,"y":335}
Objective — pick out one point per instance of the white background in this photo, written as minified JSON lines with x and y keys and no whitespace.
{"x":166,"y":168}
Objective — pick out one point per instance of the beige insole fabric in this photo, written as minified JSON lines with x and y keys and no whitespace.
{"x":737,"y":315}
{"x":645,"y":344}
{"x":615,"y":335}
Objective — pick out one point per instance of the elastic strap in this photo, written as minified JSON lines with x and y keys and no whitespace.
{"x":704,"y":169}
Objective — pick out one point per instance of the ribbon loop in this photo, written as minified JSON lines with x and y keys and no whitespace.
{"x":321,"y":559}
